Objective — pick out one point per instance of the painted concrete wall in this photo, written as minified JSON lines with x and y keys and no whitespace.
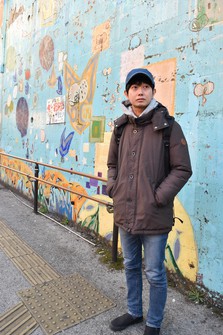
{"x":63,"y":65}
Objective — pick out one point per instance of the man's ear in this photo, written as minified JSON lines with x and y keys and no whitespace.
{"x":154,"y":92}
{"x":126,"y":94}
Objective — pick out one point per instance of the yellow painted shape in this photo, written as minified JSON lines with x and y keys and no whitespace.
{"x":11,"y":58}
{"x":164,"y":73}
{"x":187,"y":261}
{"x":101,"y":37}
{"x":80,"y":113}
{"x":72,"y":153}
{"x":101,"y":155}
{"x":48,"y":12}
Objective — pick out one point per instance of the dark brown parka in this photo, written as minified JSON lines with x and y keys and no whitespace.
{"x":142,"y":195}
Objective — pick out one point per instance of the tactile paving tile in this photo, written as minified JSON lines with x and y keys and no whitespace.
{"x":80,"y":293}
{"x":64,"y":302}
{"x":5,"y":231}
{"x":17,"y":320}
{"x":33,"y":267}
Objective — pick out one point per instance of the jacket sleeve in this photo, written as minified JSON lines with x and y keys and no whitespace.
{"x":112,"y":164}
{"x":180,"y":168}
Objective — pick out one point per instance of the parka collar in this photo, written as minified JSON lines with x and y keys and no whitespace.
{"x":159,"y":117}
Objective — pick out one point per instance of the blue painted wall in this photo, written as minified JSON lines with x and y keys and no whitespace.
{"x":63,"y":65}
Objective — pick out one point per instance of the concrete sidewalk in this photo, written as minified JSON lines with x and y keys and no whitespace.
{"x":67,"y":254}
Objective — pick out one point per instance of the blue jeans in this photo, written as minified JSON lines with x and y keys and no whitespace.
{"x":154,"y":255}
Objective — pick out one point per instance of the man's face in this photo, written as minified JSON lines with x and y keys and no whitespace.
{"x":140,"y":95}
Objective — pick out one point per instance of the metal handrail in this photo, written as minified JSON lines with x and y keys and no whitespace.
{"x":56,"y":167}
{"x":35,"y":178}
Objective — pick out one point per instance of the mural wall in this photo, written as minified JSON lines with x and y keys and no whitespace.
{"x":63,"y":66}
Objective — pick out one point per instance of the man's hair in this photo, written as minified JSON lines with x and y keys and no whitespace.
{"x":138,"y":80}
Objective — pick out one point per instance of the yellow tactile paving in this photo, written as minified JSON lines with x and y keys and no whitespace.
{"x":64,"y":302}
{"x":55,"y":303}
{"x":17,"y":321}
{"x":33,"y":267}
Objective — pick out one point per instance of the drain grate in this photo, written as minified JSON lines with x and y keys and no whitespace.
{"x":17,"y":320}
{"x":64,"y":302}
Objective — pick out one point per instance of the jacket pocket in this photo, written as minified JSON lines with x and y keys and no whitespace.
{"x":109,"y":189}
{"x":112,"y":177}
{"x":153,"y":186}
{"x":111,"y":185}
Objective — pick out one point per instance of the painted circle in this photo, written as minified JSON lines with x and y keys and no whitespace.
{"x":46,"y":52}
{"x":22,"y":116}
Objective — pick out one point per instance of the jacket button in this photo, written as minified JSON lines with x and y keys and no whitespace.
{"x":133,"y":153}
{"x":131,"y":176}
{"x":135,"y":131}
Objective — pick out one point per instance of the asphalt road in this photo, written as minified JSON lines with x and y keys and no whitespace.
{"x":67,"y":253}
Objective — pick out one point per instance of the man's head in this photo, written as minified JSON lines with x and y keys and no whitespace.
{"x":139,"y":75}
{"x":139,"y":89}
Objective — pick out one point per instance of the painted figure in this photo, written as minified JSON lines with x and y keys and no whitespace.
{"x":143,"y":188}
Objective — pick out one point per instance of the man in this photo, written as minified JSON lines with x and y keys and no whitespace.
{"x":143,"y":194}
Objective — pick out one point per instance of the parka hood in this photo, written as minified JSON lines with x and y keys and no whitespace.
{"x":127,"y":108}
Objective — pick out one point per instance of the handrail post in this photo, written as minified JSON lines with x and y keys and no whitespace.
{"x":36,"y":188}
{"x":115,"y":243}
